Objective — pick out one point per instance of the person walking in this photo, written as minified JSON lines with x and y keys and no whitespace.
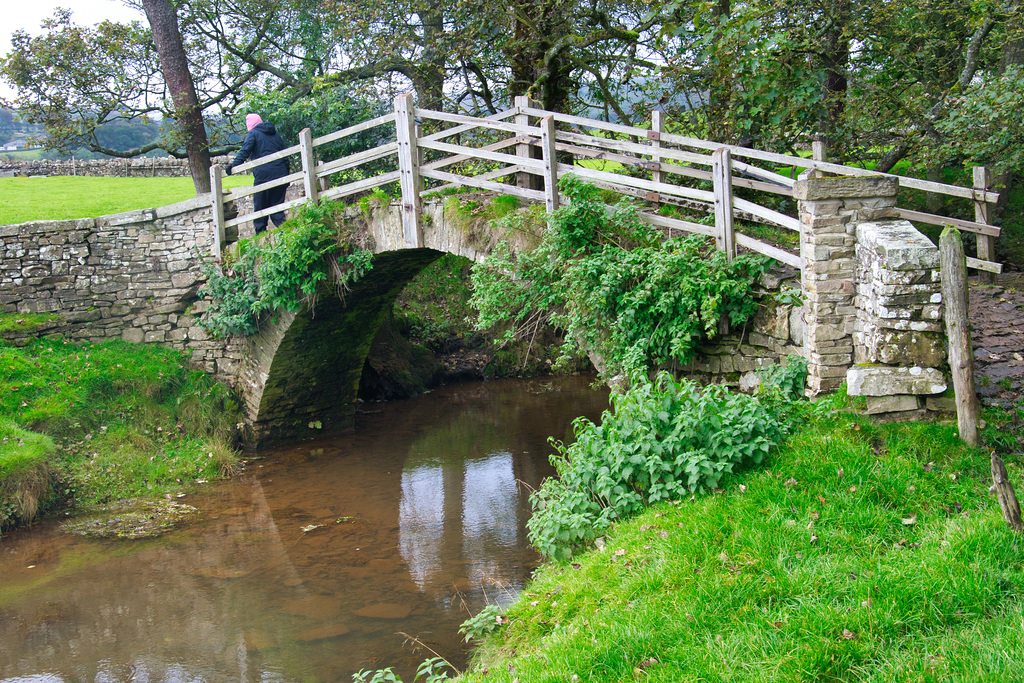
{"x":260,"y":140}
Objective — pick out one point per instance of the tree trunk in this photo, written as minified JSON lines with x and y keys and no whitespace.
{"x":836,"y":59}
{"x":164,"y":23}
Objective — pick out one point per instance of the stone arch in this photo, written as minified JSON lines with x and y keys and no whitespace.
{"x":301,"y":372}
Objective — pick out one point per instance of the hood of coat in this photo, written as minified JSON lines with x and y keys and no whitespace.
{"x":267,"y":128}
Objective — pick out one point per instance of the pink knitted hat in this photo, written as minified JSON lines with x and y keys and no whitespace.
{"x":252,"y":120}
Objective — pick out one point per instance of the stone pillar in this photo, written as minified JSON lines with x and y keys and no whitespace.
{"x":898,"y":338}
{"x":830,"y":211}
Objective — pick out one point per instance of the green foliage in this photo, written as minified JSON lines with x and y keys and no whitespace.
{"x":662,"y":440}
{"x":863,"y":552}
{"x":786,"y":380}
{"x":126,"y":419}
{"x":433,"y":309}
{"x":283,"y":270}
{"x":483,"y":623}
{"x":432,"y":670}
{"x":614,"y":287}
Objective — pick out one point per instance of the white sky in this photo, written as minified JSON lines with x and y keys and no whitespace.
{"x":28,"y":14}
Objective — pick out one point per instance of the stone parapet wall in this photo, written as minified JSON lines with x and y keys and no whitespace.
{"x":141,"y":167}
{"x":133,"y":276}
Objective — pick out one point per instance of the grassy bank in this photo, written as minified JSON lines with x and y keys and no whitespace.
{"x":62,"y":197}
{"x":92,"y":423}
{"x":856,"y":552}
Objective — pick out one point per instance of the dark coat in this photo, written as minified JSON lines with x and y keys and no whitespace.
{"x":259,"y":142}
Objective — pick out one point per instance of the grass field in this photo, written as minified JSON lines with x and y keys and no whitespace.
{"x":62,"y":197}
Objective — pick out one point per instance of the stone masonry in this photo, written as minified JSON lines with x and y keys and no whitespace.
{"x":830,"y":210}
{"x":142,"y":167}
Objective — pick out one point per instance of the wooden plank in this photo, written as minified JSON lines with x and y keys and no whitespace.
{"x":958,"y":223}
{"x":352,"y":130}
{"x":480,"y":153}
{"x":676,"y":224}
{"x":986,"y":243}
{"x":984,"y":266}
{"x":493,"y":175}
{"x":217,"y":207}
{"x":657,"y":128}
{"x":360,"y":186}
{"x":448,"y":161}
{"x":725,"y":232}
{"x":958,"y":333}
{"x":547,"y":145}
{"x":818,"y":151}
{"x":448,"y":132}
{"x":308,"y":165}
{"x":240,"y":192}
{"x":409,"y":174}
{"x":534,"y":195}
{"x":357,"y":159}
{"x":471,"y":121}
{"x":284,"y":153}
{"x":767,"y":214}
{"x":265,"y":212}
{"x":633,"y":148}
{"x":764,"y":175}
{"x":615,"y":179}
{"x":774,"y":252}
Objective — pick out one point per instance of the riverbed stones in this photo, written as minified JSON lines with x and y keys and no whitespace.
{"x":318,"y":608}
{"x":384,"y":610}
{"x":328,"y":632}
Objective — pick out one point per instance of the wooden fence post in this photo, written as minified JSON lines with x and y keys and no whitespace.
{"x":1003,"y":489}
{"x":657,"y":128}
{"x":308,"y":165}
{"x":417,"y":134}
{"x":958,"y":333}
{"x":217,"y":208}
{"x":986,"y":243}
{"x":721,"y":174}
{"x":523,"y":178}
{"x":818,"y":151}
{"x":409,"y":172}
{"x":547,"y":143}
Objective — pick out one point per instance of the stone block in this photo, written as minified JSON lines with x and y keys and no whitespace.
{"x":155,"y":336}
{"x":817,"y":189}
{"x":892,"y":404}
{"x":941,"y":404}
{"x":899,"y":245}
{"x":887,"y":380}
{"x":132,"y":335}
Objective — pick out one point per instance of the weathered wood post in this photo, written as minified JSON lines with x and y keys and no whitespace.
{"x":818,"y":150}
{"x":217,"y":209}
{"x":721,"y":174}
{"x":547,"y":143}
{"x":309,"y":183}
{"x":958,"y":333}
{"x":1003,"y":489}
{"x":523,"y":178}
{"x":409,"y":172}
{"x":657,"y":128}
{"x":986,"y":243}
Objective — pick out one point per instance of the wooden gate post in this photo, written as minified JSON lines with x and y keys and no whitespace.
{"x":961,"y":354}
{"x":217,"y":209}
{"x":986,"y":243}
{"x":547,"y":143}
{"x":721,"y":174}
{"x":523,"y":178}
{"x":409,"y":172}
{"x":308,"y":165}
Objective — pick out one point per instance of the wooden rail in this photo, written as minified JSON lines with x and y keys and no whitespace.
{"x":522,"y":152}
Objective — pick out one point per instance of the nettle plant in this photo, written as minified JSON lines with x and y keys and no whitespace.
{"x":283,"y":269}
{"x":615,"y":286}
{"x":661,"y":440}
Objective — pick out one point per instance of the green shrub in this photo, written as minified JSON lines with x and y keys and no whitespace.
{"x":663,"y":440}
{"x":283,"y":270}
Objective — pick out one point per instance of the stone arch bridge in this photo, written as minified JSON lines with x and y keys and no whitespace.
{"x":136,"y":276}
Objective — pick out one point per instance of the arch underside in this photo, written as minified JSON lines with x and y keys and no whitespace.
{"x":305,"y":367}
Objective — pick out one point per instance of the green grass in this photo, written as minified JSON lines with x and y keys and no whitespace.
{"x":63,"y":197}
{"x":861,"y":553}
{"x":124,"y":420}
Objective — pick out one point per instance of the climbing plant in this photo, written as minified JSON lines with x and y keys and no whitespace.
{"x":283,"y":269}
{"x":615,"y":286}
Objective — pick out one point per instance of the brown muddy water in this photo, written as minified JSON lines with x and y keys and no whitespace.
{"x":314,"y":563}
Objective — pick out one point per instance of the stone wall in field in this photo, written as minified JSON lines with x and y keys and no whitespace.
{"x":132,"y":276}
{"x":155,"y":167}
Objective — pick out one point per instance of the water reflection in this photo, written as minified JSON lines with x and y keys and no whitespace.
{"x":307,"y":567}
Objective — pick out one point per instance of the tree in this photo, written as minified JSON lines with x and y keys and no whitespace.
{"x":164,"y":23}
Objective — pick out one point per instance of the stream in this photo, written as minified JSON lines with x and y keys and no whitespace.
{"x":349,"y":552}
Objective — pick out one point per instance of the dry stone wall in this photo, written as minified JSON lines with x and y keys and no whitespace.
{"x":133,"y":276}
{"x":144,"y":167}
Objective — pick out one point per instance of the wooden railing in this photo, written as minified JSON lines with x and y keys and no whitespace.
{"x":542,"y":139}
